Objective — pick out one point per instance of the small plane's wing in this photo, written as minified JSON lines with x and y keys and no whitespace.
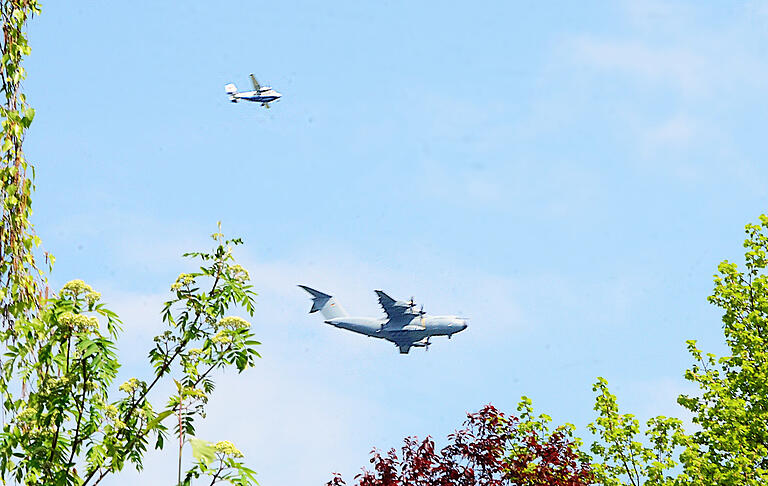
{"x":404,"y":348}
{"x":395,"y":309}
{"x":256,"y":85}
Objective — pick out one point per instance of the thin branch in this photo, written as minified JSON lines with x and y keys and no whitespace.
{"x":623,"y":459}
{"x":181,"y":438}
{"x":212,"y":367}
{"x":81,"y":410}
{"x":215,"y":476}
{"x":143,"y":396}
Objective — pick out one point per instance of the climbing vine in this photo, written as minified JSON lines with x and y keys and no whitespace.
{"x":20,"y":288}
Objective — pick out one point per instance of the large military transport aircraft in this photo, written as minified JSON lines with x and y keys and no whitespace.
{"x":260,"y":94}
{"x":404,"y":325}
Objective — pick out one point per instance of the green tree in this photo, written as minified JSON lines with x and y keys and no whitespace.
{"x":731,"y":448}
{"x":730,"y":445}
{"x":625,"y":455}
{"x":62,"y":422}
{"x":65,"y":426}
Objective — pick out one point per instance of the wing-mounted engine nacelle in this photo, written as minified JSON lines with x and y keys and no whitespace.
{"x":424,"y":343}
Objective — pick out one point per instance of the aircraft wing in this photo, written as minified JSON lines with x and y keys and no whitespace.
{"x":256,"y":85}
{"x":394,"y":309}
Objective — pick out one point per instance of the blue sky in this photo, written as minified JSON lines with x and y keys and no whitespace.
{"x":566,"y":176}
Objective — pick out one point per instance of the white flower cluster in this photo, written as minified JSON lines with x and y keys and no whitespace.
{"x":233,"y":323}
{"x":79,"y":322}
{"x":226,"y":447}
{"x":76,"y":287}
{"x":130,"y":386}
{"x":183,"y":280}
{"x":26,"y":415}
{"x":222,"y":337}
{"x":239,"y":273}
{"x":54,"y":383}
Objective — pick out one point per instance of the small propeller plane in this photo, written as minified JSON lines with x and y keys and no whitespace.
{"x":260,"y":94}
{"x":404,"y":326}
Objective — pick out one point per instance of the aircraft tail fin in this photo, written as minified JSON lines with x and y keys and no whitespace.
{"x":231,"y":90}
{"x":324,"y":303}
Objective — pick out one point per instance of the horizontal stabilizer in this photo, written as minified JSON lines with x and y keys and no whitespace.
{"x":319,"y":299}
{"x":324,"y":303}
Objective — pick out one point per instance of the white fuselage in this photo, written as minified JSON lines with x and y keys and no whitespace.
{"x":416,"y":330}
{"x":263,"y":95}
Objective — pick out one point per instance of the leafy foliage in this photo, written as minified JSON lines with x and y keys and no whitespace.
{"x":59,"y":368}
{"x":731,"y":448}
{"x":492,"y":449}
{"x":626,"y":459}
{"x":219,"y":462}
{"x":19,"y":275}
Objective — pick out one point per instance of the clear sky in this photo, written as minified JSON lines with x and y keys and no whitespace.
{"x":566,"y":175}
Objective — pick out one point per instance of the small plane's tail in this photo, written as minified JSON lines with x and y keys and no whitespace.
{"x":324,"y":303}
{"x":231,"y":90}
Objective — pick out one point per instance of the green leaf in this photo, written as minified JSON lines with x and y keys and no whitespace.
{"x":29,"y":115}
{"x":202,"y":450}
{"x":160,"y":417}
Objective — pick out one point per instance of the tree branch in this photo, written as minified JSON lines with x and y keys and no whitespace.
{"x":215,"y":476}
{"x":143,"y":396}
{"x":81,"y":409}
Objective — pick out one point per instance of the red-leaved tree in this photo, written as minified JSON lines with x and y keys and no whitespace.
{"x":492,"y":449}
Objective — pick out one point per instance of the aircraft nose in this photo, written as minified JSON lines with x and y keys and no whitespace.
{"x":463,"y":323}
